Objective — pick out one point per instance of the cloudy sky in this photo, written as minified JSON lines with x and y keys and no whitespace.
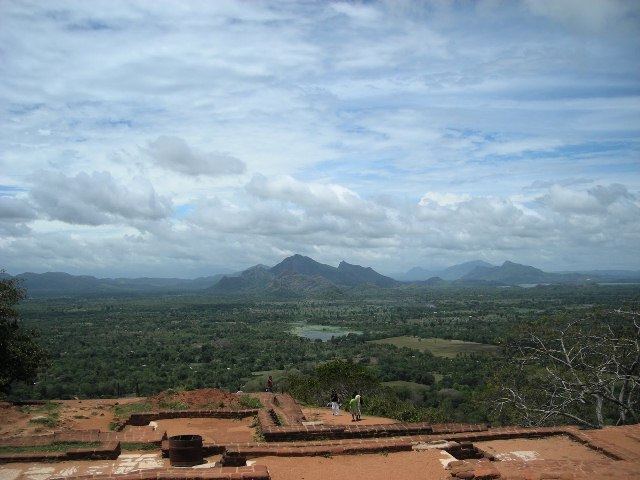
{"x":187,"y":138}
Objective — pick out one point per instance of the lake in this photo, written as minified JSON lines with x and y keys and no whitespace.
{"x":319,"y":332}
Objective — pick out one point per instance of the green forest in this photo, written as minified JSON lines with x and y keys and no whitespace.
{"x":399,"y":340}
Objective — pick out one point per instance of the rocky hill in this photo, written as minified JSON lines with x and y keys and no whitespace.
{"x":300,"y":276}
{"x":510,"y":273}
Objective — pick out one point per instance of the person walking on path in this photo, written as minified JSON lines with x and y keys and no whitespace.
{"x":335,"y":403}
{"x":354,"y":408}
{"x":270,"y":384}
{"x":358,"y":400}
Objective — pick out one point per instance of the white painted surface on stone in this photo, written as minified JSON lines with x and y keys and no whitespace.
{"x":126,"y":463}
{"x":150,"y":460}
{"x":526,"y":455}
{"x":99,"y":469}
{"x":68,"y":472}
{"x":136,"y":461}
{"x":434,"y":445}
{"x":9,"y":473}
{"x":38,"y":473}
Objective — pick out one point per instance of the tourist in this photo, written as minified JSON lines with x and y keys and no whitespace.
{"x":358,"y":400}
{"x":353,"y":408}
{"x":270,"y":384}
{"x":335,"y":403}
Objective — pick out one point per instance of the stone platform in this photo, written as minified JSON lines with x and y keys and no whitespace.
{"x":463,"y":451}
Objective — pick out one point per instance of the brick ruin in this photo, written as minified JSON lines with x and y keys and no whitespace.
{"x":286,"y":433}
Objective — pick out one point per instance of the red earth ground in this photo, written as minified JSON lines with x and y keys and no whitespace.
{"x":99,"y":414}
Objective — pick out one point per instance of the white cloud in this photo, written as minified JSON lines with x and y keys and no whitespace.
{"x":386,"y":133}
{"x":357,"y":12}
{"x":442,"y":198}
{"x":96,"y":199}
{"x":12,"y":208}
{"x":608,"y":195}
{"x":173,"y":153}
{"x":333,"y":199}
{"x":593,"y":16}
{"x":15,"y":214}
{"x":593,"y":202}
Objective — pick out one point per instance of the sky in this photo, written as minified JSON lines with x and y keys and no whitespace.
{"x":187,"y":138}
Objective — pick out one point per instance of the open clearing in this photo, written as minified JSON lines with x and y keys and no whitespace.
{"x":439,"y":346}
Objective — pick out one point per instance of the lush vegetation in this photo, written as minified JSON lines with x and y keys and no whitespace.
{"x":106,"y":347}
{"x":439,"y":347}
{"x":20,"y":354}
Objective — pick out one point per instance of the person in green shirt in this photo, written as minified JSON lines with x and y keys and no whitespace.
{"x":352,"y":408}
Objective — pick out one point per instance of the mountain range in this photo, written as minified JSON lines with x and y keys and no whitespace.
{"x":510,"y":273}
{"x":61,"y":283}
{"x":299,"y":276}
{"x":450,"y":274}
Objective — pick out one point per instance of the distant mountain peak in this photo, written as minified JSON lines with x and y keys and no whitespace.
{"x":349,"y":266}
{"x":510,"y":273}
{"x":356,"y":274}
{"x":451,"y":273}
{"x":345,"y":274}
{"x":257,"y":267}
{"x":300,"y":264}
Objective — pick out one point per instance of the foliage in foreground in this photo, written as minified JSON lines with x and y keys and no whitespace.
{"x":20,"y":356}
{"x":563,"y":370}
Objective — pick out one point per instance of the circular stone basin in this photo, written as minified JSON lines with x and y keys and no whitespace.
{"x":185,"y":450}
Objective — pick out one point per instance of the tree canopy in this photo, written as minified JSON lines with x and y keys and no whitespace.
{"x":343,"y":376}
{"x":20,"y":355}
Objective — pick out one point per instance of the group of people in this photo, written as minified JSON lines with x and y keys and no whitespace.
{"x":353,"y":406}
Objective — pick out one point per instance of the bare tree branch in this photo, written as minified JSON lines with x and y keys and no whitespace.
{"x":585,"y":370}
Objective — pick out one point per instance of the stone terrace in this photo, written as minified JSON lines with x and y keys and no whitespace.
{"x":282,"y":424}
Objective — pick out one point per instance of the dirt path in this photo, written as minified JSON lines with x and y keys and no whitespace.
{"x":324,"y":415}
{"x":401,"y":465}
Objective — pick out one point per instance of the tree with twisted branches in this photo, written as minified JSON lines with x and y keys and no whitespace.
{"x":561,"y":370}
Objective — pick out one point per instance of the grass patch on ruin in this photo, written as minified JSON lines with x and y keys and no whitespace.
{"x":54,"y":447}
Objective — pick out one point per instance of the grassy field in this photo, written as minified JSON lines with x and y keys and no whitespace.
{"x":438,"y":346}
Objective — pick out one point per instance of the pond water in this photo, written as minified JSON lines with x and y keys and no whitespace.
{"x":320,"y":332}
